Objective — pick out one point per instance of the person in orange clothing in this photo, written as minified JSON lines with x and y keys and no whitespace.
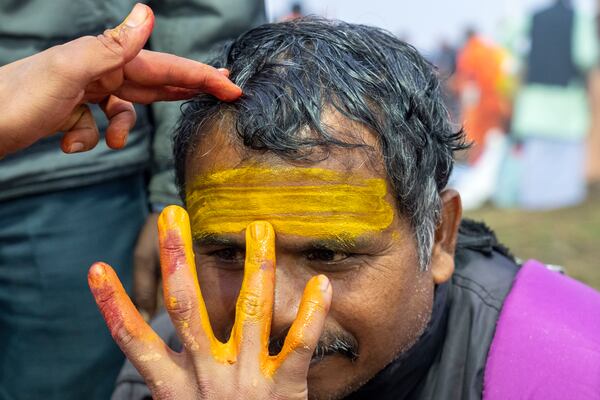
{"x":479,"y":77}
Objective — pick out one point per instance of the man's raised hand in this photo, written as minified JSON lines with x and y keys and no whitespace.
{"x":206,"y":367}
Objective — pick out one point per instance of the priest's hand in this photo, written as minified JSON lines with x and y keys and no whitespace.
{"x":49,"y":91}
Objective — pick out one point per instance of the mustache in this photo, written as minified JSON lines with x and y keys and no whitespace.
{"x":340,"y":343}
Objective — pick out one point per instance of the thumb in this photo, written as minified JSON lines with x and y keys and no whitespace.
{"x":112,"y":49}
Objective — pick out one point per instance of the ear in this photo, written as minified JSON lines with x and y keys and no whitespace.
{"x":442,"y":260}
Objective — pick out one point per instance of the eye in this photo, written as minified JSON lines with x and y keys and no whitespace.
{"x":326,"y":255}
{"x":228,"y":254}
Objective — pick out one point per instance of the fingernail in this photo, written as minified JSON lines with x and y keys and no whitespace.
{"x":119,"y":142}
{"x":223,"y":71}
{"x":258,"y":230}
{"x":323,"y":283}
{"x":76,"y":147}
{"x":97,"y":274}
{"x":170,"y":218}
{"x":137,"y":16}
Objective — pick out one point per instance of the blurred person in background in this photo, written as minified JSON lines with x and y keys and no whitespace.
{"x":445,"y":61}
{"x":479,"y":75}
{"x":551,"y":113}
{"x":483,"y":82}
{"x":296,"y":12}
{"x":59,"y":213}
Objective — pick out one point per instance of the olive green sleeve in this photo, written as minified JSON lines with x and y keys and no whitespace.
{"x":189,"y":28}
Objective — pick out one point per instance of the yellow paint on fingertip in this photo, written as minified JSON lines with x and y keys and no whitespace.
{"x":254,"y":307}
{"x":310,"y":202}
{"x":174,"y":231}
{"x":311,"y":306}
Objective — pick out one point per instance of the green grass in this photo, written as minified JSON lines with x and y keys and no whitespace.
{"x":568,"y":237}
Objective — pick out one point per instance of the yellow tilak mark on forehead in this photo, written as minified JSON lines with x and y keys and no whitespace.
{"x":298,"y":201}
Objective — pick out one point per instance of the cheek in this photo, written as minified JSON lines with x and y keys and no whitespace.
{"x":386,"y":309}
{"x":220,"y":289}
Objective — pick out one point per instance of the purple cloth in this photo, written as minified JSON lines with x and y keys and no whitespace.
{"x":547,"y":342}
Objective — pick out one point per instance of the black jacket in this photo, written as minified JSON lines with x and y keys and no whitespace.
{"x":448,"y":360}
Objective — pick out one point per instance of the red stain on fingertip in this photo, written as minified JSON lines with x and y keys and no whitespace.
{"x":172,"y":251}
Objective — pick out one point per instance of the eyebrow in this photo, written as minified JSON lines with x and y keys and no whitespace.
{"x":334,"y":243}
{"x":213,"y":239}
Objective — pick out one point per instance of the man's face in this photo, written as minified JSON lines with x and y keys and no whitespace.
{"x":335,"y":217}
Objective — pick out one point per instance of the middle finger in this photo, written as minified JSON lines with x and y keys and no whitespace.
{"x":254,"y":307}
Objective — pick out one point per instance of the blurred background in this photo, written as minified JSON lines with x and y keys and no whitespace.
{"x":522,"y":77}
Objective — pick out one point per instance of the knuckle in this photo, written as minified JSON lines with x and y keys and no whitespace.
{"x":171,"y":73}
{"x":172,"y":243}
{"x":206,"y":387}
{"x":104,"y":297}
{"x":302,"y":348}
{"x":205,"y":81}
{"x":314,"y":306}
{"x":250,"y":304}
{"x":114,"y":41}
{"x":180,"y":305}
{"x":173,"y":256}
{"x":121,"y":334}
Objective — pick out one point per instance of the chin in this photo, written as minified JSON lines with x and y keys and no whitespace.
{"x":332,"y":378}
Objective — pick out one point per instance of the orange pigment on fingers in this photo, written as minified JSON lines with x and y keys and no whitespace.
{"x":177,"y":260}
{"x":313,"y":304}
{"x":116,"y":307}
{"x":255,"y":301}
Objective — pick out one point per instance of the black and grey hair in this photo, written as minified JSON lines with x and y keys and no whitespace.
{"x":291,"y":71}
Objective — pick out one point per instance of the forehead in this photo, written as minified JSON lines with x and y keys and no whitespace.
{"x":309,"y":202}
{"x":343,"y":195}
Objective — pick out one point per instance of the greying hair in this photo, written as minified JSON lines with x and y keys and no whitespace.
{"x":291,"y":72}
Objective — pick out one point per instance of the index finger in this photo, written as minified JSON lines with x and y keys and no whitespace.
{"x":151,"y":68}
{"x":183,"y":298}
{"x":142,"y":346}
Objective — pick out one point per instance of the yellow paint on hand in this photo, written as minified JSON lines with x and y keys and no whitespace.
{"x":254,"y":307}
{"x":255,"y":302}
{"x":310,"y":202}
{"x":179,"y":268}
{"x":311,"y":305}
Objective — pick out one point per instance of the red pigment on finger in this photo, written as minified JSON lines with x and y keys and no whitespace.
{"x":114,"y":304}
{"x":172,"y":251}
{"x":175,"y":239}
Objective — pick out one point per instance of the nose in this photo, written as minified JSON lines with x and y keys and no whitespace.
{"x":289,"y":286}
